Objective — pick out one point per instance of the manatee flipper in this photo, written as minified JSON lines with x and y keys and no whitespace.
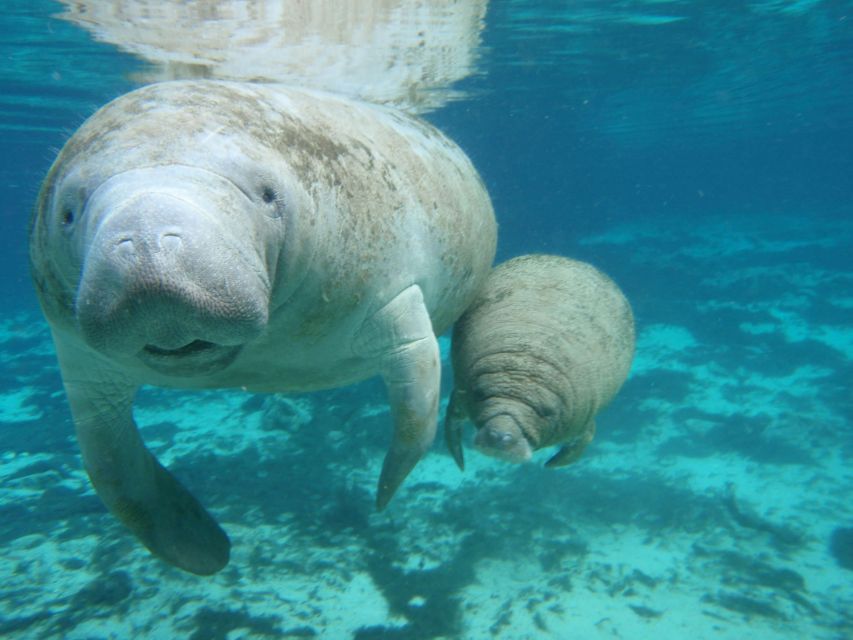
{"x":133,"y":485}
{"x":411,"y":369}
{"x":454,"y":422}
{"x":569,"y":453}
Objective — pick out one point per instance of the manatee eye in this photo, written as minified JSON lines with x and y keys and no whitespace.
{"x":268,"y":194}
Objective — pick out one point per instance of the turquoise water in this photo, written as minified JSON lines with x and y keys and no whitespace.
{"x":697,"y":152}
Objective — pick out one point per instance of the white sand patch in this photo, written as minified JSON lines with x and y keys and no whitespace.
{"x":649,"y":20}
{"x":792,"y":325}
{"x":790,"y":322}
{"x":619,"y":235}
{"x":722,"y":237}
{"x":804,"y":279}
{"x":722,"y":392}
{"x":21,"y":325}
{"x":842,"y":301}
{"x":444,"y":349}
{"x":32,"y":571}
{"x":362,"y":604}
{"x":835,"y":337}
{"x":628,"y":586}
{"x":661,"y":346}
{"x":16,"y":406}
{"x":758,"y":328}
{"x":206,"y":421}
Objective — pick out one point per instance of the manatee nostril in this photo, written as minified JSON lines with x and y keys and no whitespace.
{"x":124,"y":246}
{"x":170,"y":242}
{"x":499,"y":439}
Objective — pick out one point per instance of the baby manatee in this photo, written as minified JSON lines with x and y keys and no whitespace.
{"x":544,"y":346}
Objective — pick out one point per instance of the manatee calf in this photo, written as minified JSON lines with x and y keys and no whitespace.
{"x":204,"y":234}
{"x":545,"y":345}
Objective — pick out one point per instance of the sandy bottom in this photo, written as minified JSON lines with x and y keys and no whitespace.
{"x":705,"y":508}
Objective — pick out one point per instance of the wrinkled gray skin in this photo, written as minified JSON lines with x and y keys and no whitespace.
{"x":210,"y":234}
{"x":545,"y":345}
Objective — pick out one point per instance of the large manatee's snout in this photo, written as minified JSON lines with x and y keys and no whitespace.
{"x":168,"y":281}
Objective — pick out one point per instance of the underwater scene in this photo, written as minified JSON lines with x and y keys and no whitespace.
{"x":252,"y":304}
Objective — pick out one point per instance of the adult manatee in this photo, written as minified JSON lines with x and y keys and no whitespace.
{"x":205,"y":234}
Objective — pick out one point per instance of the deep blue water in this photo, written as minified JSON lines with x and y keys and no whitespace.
{"x":579,"y":117}
{"x":718,"y":138}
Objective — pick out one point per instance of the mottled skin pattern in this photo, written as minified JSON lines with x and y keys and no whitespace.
{"x":545,"y":345}
{"x":204,"y":234}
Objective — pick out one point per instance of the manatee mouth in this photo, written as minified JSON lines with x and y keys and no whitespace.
{"x":198,"y":357}
{"x":196,"y":346}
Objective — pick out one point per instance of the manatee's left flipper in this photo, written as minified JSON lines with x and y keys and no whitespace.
{"x":454,"y":422}
{"x":569,"y":453}
{"x":135,"y":487}
{"x":402,"y":333}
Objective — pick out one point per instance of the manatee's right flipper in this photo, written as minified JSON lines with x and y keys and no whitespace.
{"x":570,"y":453}
{"x":135,"y":487}
{"x":454,"y":422}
